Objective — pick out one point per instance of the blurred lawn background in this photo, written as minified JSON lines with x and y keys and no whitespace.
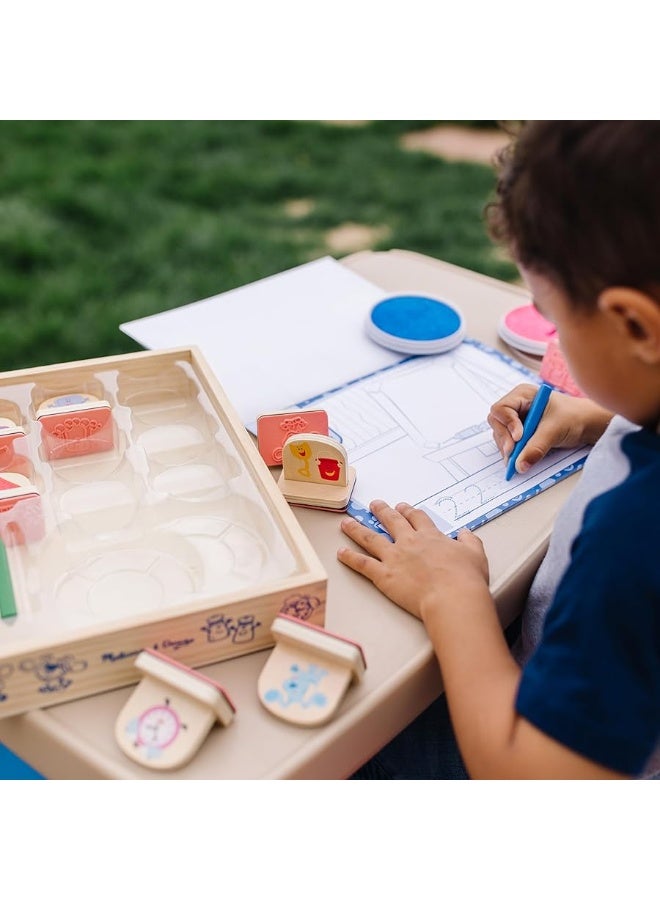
{"x":103,"y":222}
{"x":106,"y":221}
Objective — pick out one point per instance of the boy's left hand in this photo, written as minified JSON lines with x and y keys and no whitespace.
{"x":420,"y":565}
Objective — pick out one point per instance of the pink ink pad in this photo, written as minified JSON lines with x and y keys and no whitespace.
{"x":525,"y":329}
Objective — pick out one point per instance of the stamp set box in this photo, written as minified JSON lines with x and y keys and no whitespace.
{"x":135,"y":512}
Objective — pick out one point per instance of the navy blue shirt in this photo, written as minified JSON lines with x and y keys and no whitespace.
{"x":593,"y":681}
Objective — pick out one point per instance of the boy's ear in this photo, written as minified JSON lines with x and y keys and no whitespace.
{"x":636,"y":316}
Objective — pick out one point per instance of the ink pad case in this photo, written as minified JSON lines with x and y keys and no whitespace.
{"x":525,"y":329}
{"x":416,"y":324}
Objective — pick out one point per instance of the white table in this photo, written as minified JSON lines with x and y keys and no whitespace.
{"x":75,"y":739}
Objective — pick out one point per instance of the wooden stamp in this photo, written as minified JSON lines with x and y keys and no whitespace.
{"x":308,"y":672}
{"x":273,"y":429}
{"x":10,"y":460}
{"x":170,"y":713}
{"x":316,"y":473}
{"x":21,"y":514}
{"x":9,"y":432}
{"x":75,"y":425}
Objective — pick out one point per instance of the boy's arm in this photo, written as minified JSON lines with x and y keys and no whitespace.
{"x":445,"y":583}
{"x":481,"y":681}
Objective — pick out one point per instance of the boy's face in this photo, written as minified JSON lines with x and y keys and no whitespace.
{"x":596,"y":356}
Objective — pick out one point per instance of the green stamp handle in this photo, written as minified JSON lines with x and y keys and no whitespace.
{"x":7,"y":602}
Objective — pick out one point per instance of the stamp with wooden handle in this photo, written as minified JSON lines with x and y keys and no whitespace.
{"x":170,"y":713}
{"x":308,"y":673}
{"x":316,"y":473}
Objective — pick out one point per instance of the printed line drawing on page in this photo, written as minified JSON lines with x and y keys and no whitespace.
{"x":417,"y":431}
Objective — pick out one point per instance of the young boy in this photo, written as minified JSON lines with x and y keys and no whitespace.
{"x":579,"y":206}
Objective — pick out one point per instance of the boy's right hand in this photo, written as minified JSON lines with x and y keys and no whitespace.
{"x":567,"y":422}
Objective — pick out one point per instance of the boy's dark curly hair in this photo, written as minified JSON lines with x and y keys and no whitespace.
{"x":579,"y":202}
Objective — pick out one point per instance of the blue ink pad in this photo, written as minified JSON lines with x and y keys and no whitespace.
{"x":416,"y":324}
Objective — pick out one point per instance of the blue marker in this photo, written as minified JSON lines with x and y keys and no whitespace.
{"x":532,"y":420}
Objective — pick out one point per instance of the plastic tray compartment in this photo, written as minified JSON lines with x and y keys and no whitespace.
{"x":170,"y":533}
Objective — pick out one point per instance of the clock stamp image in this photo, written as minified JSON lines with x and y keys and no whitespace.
{"x":170,"y":713}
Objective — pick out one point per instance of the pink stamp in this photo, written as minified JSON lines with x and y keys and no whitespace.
{"x":9,"y":458}
{"x":555,"y":371}
{"x":21,"y":514}
{"x":75,"y":425}
{"x":274,"y":429}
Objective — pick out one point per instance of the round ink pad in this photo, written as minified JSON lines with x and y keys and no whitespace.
{"x":525,"y":329}
{"x":416,"y":324}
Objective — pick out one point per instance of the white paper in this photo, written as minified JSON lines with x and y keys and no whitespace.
{"x":292,"y":335}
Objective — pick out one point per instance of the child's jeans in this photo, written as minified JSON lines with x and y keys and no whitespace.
{"x":426,"y":749}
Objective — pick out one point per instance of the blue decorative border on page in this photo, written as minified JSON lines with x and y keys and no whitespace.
{"x":492,"y":351}
{"x":367,"y":518}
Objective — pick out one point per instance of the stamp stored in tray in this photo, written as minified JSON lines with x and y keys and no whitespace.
{"x":161,"y":528}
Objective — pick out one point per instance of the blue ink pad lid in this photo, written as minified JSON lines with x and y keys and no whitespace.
{"x":416,"y":324}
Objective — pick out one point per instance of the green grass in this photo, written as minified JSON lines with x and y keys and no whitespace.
{"x":102,"y":222}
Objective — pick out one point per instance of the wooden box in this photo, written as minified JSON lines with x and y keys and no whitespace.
{"x":163,"y":530}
